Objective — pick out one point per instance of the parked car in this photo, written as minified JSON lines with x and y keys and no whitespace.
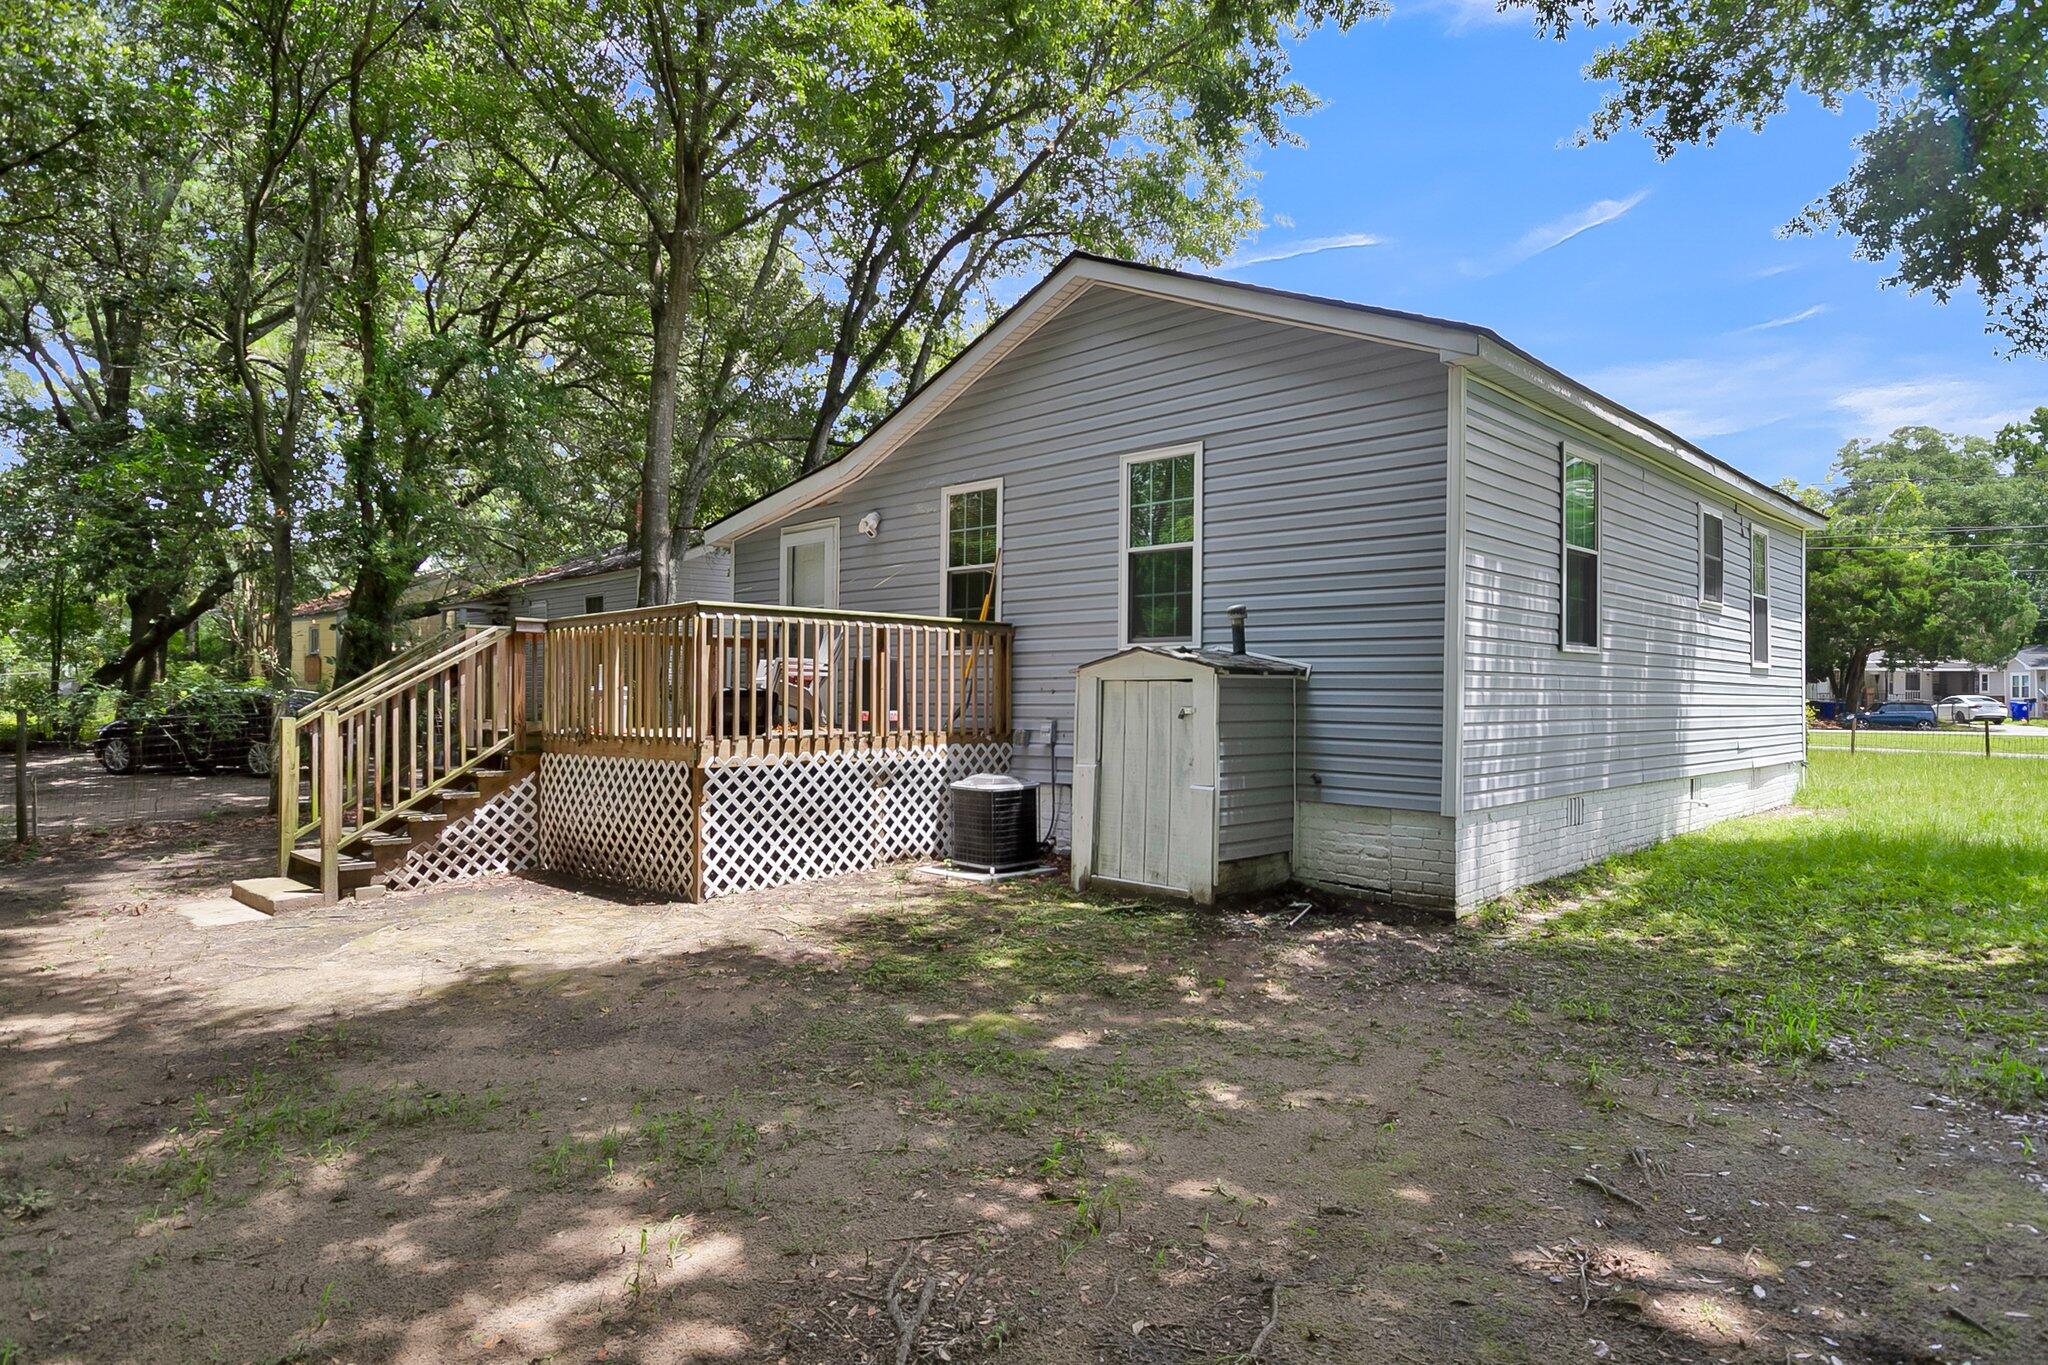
{"x":1968,"y":709}
{"x":199,"y":733}
{"x":1899,"y":715}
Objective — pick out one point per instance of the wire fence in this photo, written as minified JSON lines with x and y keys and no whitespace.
{"x":1983,"y":740}
{"x":67,"y":792}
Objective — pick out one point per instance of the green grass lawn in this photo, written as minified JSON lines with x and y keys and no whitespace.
{"x":1903,"y":911}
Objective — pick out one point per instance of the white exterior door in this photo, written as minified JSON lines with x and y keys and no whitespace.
{"x":1144,"y":809}
{"x":810,"y":565}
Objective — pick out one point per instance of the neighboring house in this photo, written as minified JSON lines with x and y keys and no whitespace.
{"x":2024,"y":677}
{"x":316,"y":638}
{"x":607,"y":581}
{"x":1537,"y":628}
{"x":316,"y":625}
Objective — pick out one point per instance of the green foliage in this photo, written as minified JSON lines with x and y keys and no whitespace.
{"x":1928,"y":554}
{"x":1950,"y":186}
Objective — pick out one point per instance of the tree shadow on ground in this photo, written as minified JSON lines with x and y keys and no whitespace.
{"x":522,"y":1120}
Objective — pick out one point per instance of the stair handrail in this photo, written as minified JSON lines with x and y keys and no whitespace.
{"x":431,"y":659}
{"x":420,"y":649}
{"x":470,"y":646}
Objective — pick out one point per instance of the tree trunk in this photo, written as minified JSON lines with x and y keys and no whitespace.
{"x":370,"y":630}
{"x":152,"y":621}
{"x":57,"y":629}
{"x":657,"y":465}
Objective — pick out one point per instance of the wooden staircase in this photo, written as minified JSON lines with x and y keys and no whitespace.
{"x":392,"y":761}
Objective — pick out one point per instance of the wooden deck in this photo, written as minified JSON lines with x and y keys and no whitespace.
{"x":705,"y":682}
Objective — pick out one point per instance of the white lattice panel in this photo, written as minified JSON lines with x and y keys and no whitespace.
{"x":623,"y":820}
{"x":499,"y":836}
{"x":769,"y":822}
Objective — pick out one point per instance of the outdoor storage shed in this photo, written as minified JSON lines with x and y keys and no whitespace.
{"x":1184,"y":771}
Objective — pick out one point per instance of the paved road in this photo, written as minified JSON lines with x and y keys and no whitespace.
{"x":72,"y":792}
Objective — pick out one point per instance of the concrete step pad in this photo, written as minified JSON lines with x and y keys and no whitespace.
{"x":272,"y":894}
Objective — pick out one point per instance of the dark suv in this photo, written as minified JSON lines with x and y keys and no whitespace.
{"x":1899,"y":715}
{"x":199,"y":734}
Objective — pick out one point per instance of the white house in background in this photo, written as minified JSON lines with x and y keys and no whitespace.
{"x":606,"y":581}
{"x":1529,"y":628}
{"x":2024,"y":677}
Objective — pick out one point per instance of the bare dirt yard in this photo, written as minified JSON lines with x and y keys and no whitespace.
{"x":887,"y":1119}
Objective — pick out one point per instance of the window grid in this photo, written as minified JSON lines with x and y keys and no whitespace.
{"x":1159,"y":545}
{"x":1759,"y":599}
{"x":1581,"y":497}
{"x":1713,"y":558}
{"x":973,"y":537}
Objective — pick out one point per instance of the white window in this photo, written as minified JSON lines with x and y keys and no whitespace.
{"x":971,"y":546}
{"x":810,"y":565}
{"x":1912,"y":683}
{"x":2022,"y":687}
{"x":1161,"y":601}
{"x":1713,"y":558}
{"x":1580,"y":618}
{"x":1760,"y":599}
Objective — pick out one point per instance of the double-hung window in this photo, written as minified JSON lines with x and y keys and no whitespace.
{"x":2022,"y":687}
{"x":1162,"y":525}
{"x":1713,"y":558}
{"x":1759,"y":599}
{"x":1581,"y":553}
{"x":973,"y":531}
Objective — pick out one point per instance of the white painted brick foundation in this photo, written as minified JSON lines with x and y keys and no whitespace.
{"x":1503,"y":849}
{"x":1427,"y":861}
{"x":1406,"y":857}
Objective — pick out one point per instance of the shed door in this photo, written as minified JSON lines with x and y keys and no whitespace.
{"x":1144,"y":817}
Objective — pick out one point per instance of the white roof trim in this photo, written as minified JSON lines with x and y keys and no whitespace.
{"x":1455,"y":343}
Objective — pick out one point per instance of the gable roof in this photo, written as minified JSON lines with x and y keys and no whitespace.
{"x":1481,"y":349}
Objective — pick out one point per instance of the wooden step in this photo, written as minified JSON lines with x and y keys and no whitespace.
{"x":272,"y":894}
{"x":354,"y":871}
{"x":490,"y":781}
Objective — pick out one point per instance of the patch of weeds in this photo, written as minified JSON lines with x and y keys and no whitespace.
{"x":273,"y":1116}
{"x":1587,"y":1008}
{"x":12,"y":1353}
{"x":672,"y":1143}
{"x":21,"y":1202}
{"x":1096,"y":1209}
{"x":2011,"y":1081}
{"x":1598,"y":1079}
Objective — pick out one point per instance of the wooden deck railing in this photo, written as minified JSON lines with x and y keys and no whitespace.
{"x":725,"y":679}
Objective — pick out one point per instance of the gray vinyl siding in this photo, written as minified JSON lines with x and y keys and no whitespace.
{"x":1671,"y":692}
{"x":1254,"y":767}
{"x":706,"y":578}
{"x":1323,"y":510}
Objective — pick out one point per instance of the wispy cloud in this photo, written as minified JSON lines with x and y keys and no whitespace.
{"x":1555,"y":233}
{"x":1951,"y":403}
{"x":1834,"y":396}
{"x":1765,"y":272}
{"x":1287,"y":251}
{"x":1786,"y":321}
{"x":1460,"y":15}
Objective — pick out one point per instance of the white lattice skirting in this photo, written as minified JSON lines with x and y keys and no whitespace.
{"x":769,"y":822}
{"x":621,"y":820}
{"x":766,"y":822}
{"x":499,"y":836}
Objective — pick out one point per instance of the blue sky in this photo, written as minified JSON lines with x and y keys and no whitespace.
{"x":1446,"y":141}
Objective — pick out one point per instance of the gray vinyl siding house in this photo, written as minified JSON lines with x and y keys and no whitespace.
{"x":607,"y":581}
{"x":1383,"y":494}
